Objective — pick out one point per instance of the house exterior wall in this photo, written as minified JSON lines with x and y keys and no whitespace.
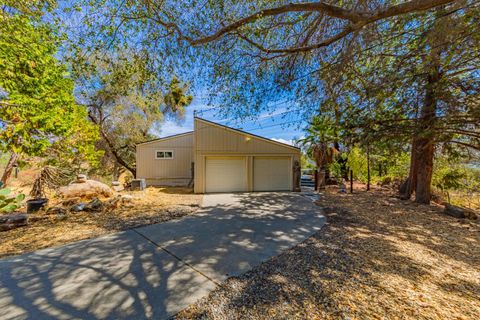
{"x":167,"y":172}
{"x":215,"y":140}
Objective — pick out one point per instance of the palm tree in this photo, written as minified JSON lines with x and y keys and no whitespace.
{"x":321,"y":141}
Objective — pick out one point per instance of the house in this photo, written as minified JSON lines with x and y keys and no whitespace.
{"x":217,"y":158}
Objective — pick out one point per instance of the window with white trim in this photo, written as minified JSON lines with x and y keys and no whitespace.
{"x":163,"y":154}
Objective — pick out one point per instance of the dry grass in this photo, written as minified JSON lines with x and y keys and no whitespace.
{"x":153,"y":205}
{"x":377,"y":257}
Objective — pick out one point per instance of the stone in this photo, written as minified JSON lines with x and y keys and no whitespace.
{"x":81,"y":178}
{"x":78,"y":207}
{"x":61,"y":217}
{"x":127,"y":198}
{"x":89,"y":189}
{"x":94,"y":206}
{"x":459,"y":212}
{"x":12,"y":221}
{"x":118,"y":188}
{"x":112,"y":203}
{"x":56,"y":210}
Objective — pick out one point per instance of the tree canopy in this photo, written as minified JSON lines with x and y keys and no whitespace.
{"x":128,"y":102}
{"x":37,"y":108}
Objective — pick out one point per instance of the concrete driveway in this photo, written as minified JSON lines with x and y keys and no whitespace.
{"x":158,"y":270}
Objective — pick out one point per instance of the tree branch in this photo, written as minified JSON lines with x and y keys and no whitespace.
{"x":357,"y":20}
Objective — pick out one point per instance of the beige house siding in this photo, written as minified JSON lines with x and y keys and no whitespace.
{"x":168,"y":172}
{"x":216,"y":140}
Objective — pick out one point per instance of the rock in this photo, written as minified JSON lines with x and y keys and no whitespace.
{"x":459,"y":212}
{"x":87,"y":189}
{"x":94,"y":206}
{"x":81,"y":178}
{"x":61,"y":217}
{"x":12,"y":221}
{"x":112,"y":203}
{"x":127,"y":198}
{"x":56,"y":210}
{"x":118,"y":188}
{"x":78,"y":207}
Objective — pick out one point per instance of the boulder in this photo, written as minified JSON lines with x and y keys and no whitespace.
{"x":87,"y":189}
{"x":12,"y":221}
{"x":459,"y":212}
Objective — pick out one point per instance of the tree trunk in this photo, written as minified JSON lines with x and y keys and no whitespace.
{"x":9,"y":168}
{"x":425,"y":168}
{"x":425,"y":146}
{"x":408,"y":187}
{"x":113,"y":150}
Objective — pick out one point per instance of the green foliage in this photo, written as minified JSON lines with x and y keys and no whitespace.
{"x":37,"y":100}
{"x":9,"y":204}
{"x":127,"y":102}
{"x":357,"y":162}
{"x":306,"y":163}
{"x":77,"y":148}
{"x":451,"y":176}
{"x":36,"y":97}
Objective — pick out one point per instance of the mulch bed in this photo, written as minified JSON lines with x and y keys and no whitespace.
{"x":377,"y":257}
{"x":154,"y":205}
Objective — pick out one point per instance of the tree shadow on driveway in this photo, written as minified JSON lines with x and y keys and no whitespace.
{"x":125,"y":276}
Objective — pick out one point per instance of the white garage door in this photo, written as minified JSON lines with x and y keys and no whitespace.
{"x":271,"y":174}
{"x":225,"y":174}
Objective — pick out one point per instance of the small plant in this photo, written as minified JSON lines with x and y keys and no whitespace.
{"x":9,"y":204}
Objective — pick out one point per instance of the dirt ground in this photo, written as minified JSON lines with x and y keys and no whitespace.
{"x":378,"y":257}
{"x":150,"y":206}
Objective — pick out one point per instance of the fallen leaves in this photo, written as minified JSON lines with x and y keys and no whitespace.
{"x":153,"y":205}
{"x":377,"y":257}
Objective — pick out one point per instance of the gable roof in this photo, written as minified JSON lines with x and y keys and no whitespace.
{"x":248,"y":134}
{"x":165,"y":138}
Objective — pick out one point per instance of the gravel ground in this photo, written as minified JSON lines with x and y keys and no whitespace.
{"x":377,"y":257}
{"x":153,"y":205}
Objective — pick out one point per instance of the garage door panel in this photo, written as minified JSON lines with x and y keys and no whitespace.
{"x":225,"y":174}
{"x":271,"y":174}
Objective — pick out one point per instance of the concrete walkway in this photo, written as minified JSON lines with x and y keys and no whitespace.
{"x":155,"y":271}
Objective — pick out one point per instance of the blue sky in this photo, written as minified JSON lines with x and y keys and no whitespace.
{"x":279,"y":125}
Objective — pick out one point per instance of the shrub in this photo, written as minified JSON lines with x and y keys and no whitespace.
{"x":9,"y":204}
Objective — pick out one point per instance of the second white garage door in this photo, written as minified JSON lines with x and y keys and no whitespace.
{"x":271,"y":174}
{"x":225,"y":174}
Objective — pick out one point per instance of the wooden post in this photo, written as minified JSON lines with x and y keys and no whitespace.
{"x":315,"y":179}
{"x":351,"y":181}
